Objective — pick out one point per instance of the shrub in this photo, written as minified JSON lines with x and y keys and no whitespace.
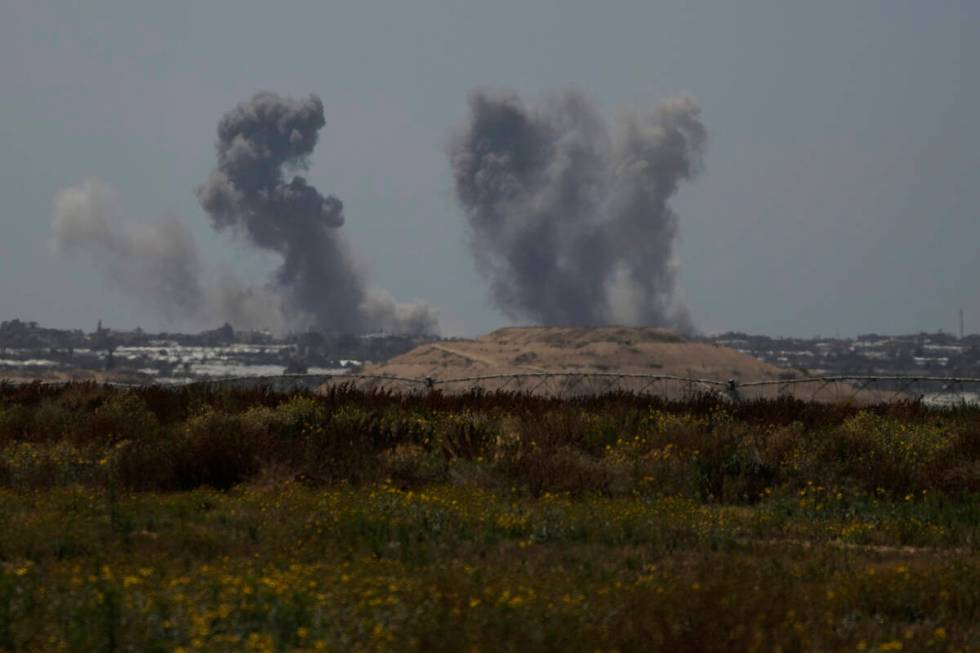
{"x":880,"y":452}
{"x":465,"y":434}
{"x":409,"y":465}
{"x":296,"y":416}
{"x":51,"y":421}
{"x":343,"y":449}
{"x":213,"y":449}
{"x":15,"y":423}
{"x":123,"y":416}
{"x":38,"y":465}
{"x":217,"y":450}
{"x":562,"y":470}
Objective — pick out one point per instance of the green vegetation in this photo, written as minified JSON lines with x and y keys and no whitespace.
{"x":199,"y":519}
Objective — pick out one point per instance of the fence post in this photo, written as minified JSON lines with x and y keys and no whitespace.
{"x":733,"y":390}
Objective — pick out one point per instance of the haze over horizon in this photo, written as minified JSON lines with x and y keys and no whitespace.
{"x":838,"y":193}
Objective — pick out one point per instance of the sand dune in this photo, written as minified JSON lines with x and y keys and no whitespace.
{"x":635,"y":350}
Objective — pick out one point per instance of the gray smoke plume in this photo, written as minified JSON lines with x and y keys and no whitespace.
{"x":157,"y":263}
{"x":258,"y":143}
{"x":318,"y":284}
{"x":571,"y":223}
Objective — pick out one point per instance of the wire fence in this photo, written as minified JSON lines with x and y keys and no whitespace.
{"x":856,"y":389}
{"x":862,"y":389}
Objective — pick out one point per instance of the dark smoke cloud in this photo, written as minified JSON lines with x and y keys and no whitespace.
{"x":158,"y":263}
{"x":571,"y":223}
{"x":258,"y":143}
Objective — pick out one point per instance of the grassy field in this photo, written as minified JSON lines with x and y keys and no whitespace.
{"x":236,"y":520}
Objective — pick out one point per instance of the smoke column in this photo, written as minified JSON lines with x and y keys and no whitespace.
{"x":318,"y":284}
{"x":258,"y":143}
{"x":571,"y":223}
{"x":158,"y":262}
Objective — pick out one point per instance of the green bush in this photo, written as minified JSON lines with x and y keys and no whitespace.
{"x":123,"y":416}
{"x":874,"y":452}
{"x":39,"y":465}
{"x":296,"y":417}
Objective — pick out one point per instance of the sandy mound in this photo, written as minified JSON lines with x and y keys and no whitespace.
{"x":635,"y":350}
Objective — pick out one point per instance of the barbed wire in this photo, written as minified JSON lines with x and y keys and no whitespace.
{"x":937,"y":390}
{"x":865,"y":389}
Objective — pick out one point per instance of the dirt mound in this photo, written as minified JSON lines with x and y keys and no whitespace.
{"x":635,"y":350}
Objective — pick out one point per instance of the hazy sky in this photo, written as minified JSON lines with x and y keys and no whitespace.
{"x":841,"y":191}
